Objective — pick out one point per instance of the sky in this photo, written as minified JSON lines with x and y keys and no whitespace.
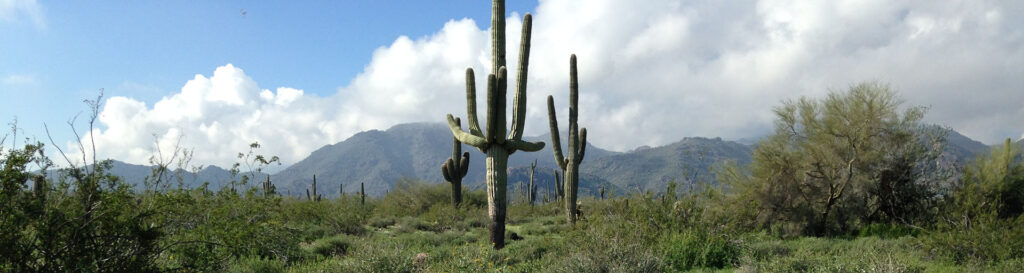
{"x":215,"y":76}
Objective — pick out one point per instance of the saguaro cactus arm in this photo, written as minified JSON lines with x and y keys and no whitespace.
{"x":497,"y":85}
{"x":471,"y":119}
{"x":519,"y":111}
{"x":463,"y":136}
{"x":583,"y":146}
{"x":556,"y":139}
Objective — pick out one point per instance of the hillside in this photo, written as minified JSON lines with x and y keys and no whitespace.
{"x":416,"y":150}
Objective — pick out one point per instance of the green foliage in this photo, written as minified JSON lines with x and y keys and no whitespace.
{"x":411,"y":197}
{"x":888,"y":231}
{"x":88,"y":222}
{"x":985,"y":221}
{"x":988,"y":240}
{"x":257,"y":264}
{"x":700,"y":249}
{"x":837,"y":164}
{"x":331,"y":246}
{"x":994,"y":184}
{"x":205,"y":230}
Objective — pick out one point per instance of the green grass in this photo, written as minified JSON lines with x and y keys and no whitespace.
{"x":648,"y":236}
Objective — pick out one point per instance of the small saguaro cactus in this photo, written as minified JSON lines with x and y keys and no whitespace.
{"x":39,"y":188}
{"x":569,"y":164}
{"x":362,"y":193}
{"x":341,"y":190}
{"x":268,"y":188}
{"x":494,"y":141}
{"x":602,"y":192}
{"x":559,"y":191}
{"x":455,"y":168}
{"x":533,"y":187}
{"x":314,"y":196}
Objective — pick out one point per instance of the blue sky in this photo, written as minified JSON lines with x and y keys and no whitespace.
{"x":298,"y":76}
{"x":149,"y":49}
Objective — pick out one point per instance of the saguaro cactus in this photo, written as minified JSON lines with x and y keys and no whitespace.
{"x":362,"y":193}
{"x":577,"y":143}
{"x":314,"y":196}
{"x":268,"y":188}
{"x":455,"y":168}
{"x":533,"y":187}
{"x":559,"y":191}
{"x":494,"y":141}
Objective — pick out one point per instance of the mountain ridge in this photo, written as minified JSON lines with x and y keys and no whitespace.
{"x":379,"y":158}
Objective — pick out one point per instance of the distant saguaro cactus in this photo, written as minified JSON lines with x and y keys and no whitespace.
{"x":455,"y":168}
{"x":570,"y":164}
{"x":268,"y":188}
{"x":494,"y":142}
{"x":533,"y":187}
{"x":362,"y":193}
{"x":559,"y":191}
{"x":314,"y":196}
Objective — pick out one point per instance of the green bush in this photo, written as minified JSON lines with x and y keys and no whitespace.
{"x":990,"y":240}
{"x":888,"y":231}
{"x":87,"y":222}
{"x":699,"y":249}
{"x":332,"y":246}
{"x":256,"y":264}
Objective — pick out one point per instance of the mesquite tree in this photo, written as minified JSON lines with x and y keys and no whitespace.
{"x":570,"y":164}
{"x":494,"y":141}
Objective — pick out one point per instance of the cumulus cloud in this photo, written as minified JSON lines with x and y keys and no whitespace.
{"x":15,"y":10}
{"x":649,"y":75}
{"x":218,"y":116}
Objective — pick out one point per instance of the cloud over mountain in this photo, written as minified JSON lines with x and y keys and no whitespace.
{"x":650,"y":74}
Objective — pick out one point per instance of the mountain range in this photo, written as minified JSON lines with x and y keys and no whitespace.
{"x":378,"y":159}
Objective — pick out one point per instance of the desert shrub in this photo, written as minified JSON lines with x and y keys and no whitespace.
{"x":87,"y":222}
{"x":607,"y":244}
{"x":380,"y":256}
{"x":699,"y":249}
{"x":382,"y":221}
{"x":331,"y":246}
{"x":443,"y":217}
{"x":984,"y":223}
{"x":205,"y":230}
{"x":888,"y":231}
{"x":412,"y":198}
{"x":987,"y":240}
{"x":257,"y":264}
{"x":836,"y":164}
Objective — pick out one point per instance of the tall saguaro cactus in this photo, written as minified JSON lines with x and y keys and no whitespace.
{"x":455,"y":168}
{"x":494,"y":141}
{"x":569,"y":164}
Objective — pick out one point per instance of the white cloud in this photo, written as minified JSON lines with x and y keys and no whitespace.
{"x":15,"y":10}
{"x":649,"y":74}
{"x":18,"y":79}
{"x":218,"y":116}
